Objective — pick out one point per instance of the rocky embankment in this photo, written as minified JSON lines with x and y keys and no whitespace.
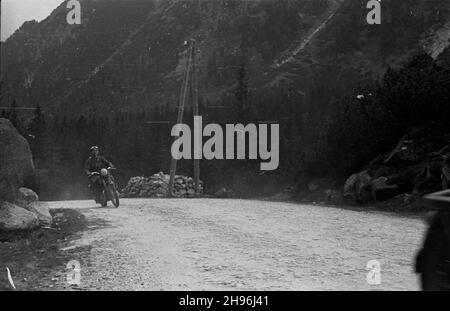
{"x":397,"y":179}
{"x":157,"y":185}
{"x":20,"y":208}
{"x":414,"y":167}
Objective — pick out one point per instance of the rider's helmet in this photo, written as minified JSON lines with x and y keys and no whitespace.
{"x":94,"y":150}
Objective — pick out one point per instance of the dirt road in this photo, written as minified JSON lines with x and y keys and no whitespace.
{"x":208,"y":244}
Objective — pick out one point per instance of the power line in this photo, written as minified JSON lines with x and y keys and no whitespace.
{"x":18,"y":108}
{"x":157,"y":122}
{"x":110,"y":64}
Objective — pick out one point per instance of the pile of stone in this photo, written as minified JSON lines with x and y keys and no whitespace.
{"x":157,"y":185}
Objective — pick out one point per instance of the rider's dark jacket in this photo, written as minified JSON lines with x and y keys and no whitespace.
{"x":95,"y":164}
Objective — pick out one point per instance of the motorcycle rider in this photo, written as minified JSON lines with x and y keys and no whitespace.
{"x":95,"y":163}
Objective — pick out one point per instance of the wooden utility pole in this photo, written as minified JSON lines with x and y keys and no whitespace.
{"x":194,"y":87}
{"x":189,"y":79}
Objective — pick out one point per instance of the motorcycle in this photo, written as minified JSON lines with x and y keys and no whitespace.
{"x":433,"y":260}
{"x":108,"y":191}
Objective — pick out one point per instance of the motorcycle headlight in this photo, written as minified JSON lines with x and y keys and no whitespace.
{"x":104,"y":172}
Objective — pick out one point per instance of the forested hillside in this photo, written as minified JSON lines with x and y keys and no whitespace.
{"x":115,"y":79}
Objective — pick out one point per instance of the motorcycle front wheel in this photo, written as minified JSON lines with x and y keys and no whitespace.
{"x":103,"y":200}
{"x":113,"y":195}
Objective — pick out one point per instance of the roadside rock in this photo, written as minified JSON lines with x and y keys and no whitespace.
{"x":358,"y":187}
{"x":333,"y":196}
{"x":363,"y":187}
{"x":26,"y":196}
{"x":285,"y":195}
{"x":413,"y":166}
{"x":13,"y":217}
{"x":313,"y":187}
{"x":16,"y":162}
{"x":349,"y":187}
{"x":223,"y":193}
{"x":42,"y":212}
{"x":405,"y":198}
{"x":381,"y":191}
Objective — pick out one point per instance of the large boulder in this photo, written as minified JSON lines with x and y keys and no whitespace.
{"x":26,"y":196}
{"x":224,"y":193}
{"x":358,"y":187}
{"x":16,"y":162}
{"x":42,"y":211}
{"x":13,"y":217}
{"x":363,"y":187}
{"x":349,"y":187}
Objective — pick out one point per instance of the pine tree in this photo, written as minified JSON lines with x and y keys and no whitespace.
{"x":1,"y":99}
{"x":37,"y":125}
{"x":241,"y":95}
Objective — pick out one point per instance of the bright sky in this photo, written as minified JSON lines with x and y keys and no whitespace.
{"x":16,"y":12}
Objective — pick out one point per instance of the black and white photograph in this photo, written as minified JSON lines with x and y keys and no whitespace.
{"x":240,"y":147}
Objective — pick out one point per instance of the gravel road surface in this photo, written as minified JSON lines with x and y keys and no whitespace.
{"x":211,"y":244}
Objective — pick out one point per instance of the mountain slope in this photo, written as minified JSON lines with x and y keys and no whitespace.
{"x":127,"y":55}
